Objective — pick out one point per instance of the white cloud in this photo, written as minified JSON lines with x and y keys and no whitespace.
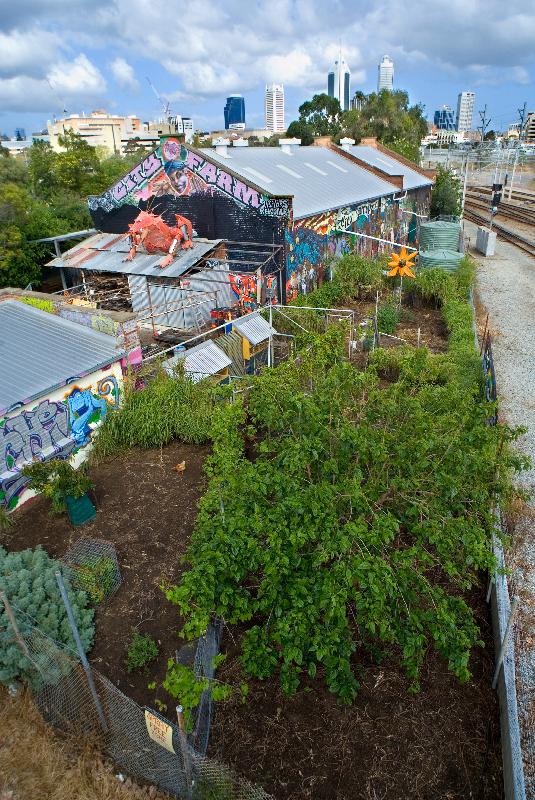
{"x":67,"y":83}
{"x":27,"y":52}
{"x":123,"y":72}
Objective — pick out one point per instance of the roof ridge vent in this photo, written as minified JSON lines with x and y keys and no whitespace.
{"x":287,"y":145}
{"x":346,"y":143}
{"x":221,"y":144}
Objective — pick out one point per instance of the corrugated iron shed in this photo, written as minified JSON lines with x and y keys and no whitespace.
{"x":106,"y":252}
{"x":318,"y":178}
{"x":254,"y":328}
{"x":201,"y":361}
{"x":39,"y":352}
{"x":390,"y":165}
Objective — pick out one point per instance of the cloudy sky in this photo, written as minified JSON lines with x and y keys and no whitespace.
{"x":86,"y":54}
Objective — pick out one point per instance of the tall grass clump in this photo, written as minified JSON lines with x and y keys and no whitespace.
{"x":167,"y":408}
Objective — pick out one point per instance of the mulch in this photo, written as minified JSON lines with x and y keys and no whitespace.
{"x":147,"y":510}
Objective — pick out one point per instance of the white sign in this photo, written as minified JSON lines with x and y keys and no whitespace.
{"x":159,"y":731}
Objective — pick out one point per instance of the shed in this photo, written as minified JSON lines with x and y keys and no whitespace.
{"x":57,"y":381}
{"x":205,"y":360}
{"x":255,"y":332}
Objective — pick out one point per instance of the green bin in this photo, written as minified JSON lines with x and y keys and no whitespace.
{"x":80,"y":509}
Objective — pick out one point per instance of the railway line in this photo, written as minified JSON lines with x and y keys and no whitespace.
{"x":523,"y":242}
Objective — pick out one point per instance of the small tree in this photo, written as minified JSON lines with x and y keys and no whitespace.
{"x":446,"y":197}
{"x":301,"y":130}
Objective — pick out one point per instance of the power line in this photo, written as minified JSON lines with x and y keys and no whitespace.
{"x":484,"y":122}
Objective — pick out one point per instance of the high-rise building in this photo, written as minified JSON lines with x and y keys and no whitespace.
{"x":529,"y":128}
{"x":339,"y":83}
{"x":465,"y":110}
{"x":274,"y":105}
{"x":444,"y":119}
{"x":385,"y":74}
{"x":235,"y":112}
{"x":358,"y":100}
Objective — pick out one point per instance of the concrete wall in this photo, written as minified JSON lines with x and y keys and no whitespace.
{"x":59,"y":424}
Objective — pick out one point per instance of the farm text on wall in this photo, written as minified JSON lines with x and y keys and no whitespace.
{"x":55,"y":427}
{"x":173,"y":169}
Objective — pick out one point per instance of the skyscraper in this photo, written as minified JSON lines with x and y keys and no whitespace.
{"x":465,"y":110}
{"x":338,"y":83}
{"x":444,"y":119}
{"x":385,"y":74}
{"x":274,"y":105}
{"x":235,"y":112}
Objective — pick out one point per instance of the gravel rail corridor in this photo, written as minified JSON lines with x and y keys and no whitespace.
{"x":506,"y":291}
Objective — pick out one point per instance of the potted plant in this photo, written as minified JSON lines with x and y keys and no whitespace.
{"x":65,"y":486}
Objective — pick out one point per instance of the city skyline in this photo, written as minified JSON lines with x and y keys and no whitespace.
{"x":98,"y":54}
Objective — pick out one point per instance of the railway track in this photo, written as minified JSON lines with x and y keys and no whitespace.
{"x":506,"y":209}
{"x":525,"y":244}
{"x":518,"y":195}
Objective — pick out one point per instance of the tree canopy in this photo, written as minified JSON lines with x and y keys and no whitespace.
{"x":387,"y":116}
{"x":446,"y":197}
{"x":46,"y":196}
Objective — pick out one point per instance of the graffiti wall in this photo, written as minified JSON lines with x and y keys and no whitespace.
{"x":314,"y":241}
{"x":60,"y":425}
{"x":175,"y":170}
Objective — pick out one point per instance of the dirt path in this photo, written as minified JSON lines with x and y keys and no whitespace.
{"x":506,"y":290}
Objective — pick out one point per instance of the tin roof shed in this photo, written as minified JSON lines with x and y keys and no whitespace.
{"x":39,"y":352}
{"x":254,"y":328}
{"x":201,"y":361}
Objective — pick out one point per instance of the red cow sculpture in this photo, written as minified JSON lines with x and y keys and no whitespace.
{"x":156,"y":236}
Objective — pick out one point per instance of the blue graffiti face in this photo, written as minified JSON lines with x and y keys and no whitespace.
{"x":82,"y":405}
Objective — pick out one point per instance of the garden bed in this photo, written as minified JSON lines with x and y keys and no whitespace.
{"x":443,"y":742}
{"x":147,"y":510}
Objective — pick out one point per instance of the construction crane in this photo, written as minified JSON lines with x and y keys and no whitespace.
{"x":164,"y":103}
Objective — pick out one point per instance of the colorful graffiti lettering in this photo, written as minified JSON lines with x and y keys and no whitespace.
{"x":41,"y":433}
{"x":175,"y":169}
{"x":53,"y":429}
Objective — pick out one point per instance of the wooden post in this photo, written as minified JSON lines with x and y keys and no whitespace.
{"x":11,"y":617}
{"x":184,"y":750}
{"x":506,"y":636}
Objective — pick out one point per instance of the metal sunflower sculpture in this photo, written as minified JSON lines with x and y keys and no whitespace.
{"x":402,"y":264}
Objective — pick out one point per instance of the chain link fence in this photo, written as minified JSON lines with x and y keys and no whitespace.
{"x":93,"y":567}
{"x":61,"y":692}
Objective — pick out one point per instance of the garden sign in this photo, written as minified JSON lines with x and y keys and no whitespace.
{"x":159,"y":731}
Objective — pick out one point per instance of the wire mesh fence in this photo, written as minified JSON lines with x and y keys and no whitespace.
{"x":61,"y":691}
{"x":93,"y":567}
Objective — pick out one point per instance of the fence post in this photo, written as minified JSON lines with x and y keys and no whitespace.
{"x":184,"y":749}
{"x":81,"y":652}
{"x":11,"y":617}
{"x":501,"y":654}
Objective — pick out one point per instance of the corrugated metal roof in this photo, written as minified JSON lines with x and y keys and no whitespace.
{"x":254,"y":328}
{"x":40,"y":352}
{"x":390,"y":165}
{"x":201,"y":361}
{"x":318,"y":178}
{"x":106,"y":252}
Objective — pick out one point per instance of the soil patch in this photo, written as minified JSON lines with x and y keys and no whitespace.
{"x":443,"y":742}
{"x":147,"y":510}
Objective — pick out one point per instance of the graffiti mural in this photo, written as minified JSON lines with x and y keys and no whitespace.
{"x":52,"y":429}
{"x":174,"y":169}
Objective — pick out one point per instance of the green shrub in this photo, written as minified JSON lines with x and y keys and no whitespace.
{"x":141,"y":651}
{"x":36,"y":302}
{"x":27,"y":578}
{"x":388,"y":317}
{"x":167,"y":408}
{"x":359,"y":276}
{"x":6,"y":520}
{"x":56,"y":480}
{"x":96,"y":576}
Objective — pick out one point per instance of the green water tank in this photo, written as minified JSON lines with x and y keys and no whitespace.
{"x":439,"y":235}
{"x":440,"y":258}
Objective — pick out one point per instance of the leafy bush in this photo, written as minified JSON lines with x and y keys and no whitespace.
{"x":57,"y":480}
{"x":96,"y":576}
{"x":446,"y":197}
{"x":359,"y":276}
{"x":27,"y":578}
{"x":182,"y":684}
{"x":141,"y":651}
{"x":37,"y":302}
{"x":167,"y":408}
{"x":367,"y":514}
{"x":388,"y":317}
